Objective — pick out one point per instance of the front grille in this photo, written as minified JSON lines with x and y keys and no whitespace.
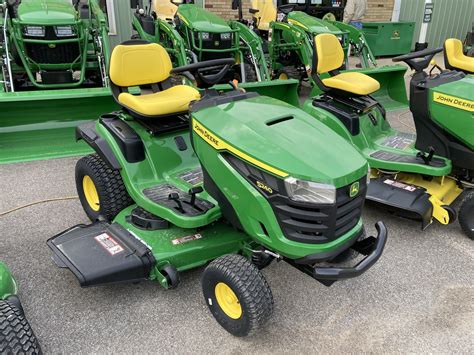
{"x":308,"y":223}
{"x":214,"y":42}
{"x":304,"y":222}
{"x":55,"y":53}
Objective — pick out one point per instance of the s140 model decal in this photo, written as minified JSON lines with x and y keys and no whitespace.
{"x":463,"y":104}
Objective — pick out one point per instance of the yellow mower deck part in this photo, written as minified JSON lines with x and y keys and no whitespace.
{"x":443,"y":190}
{"x":228,"y":301}
{"x":267,"y":12}
{"x":90,"y":192}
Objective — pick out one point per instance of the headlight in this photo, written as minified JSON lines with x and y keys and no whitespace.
{"x":308,"y":191}
{"x":34,"y":31}
{"x":64,"y":31}
{"x":226,"y":36}
{"x":205,"y":36}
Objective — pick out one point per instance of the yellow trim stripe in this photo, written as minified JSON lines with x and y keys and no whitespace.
{"x":463,"y":104}
{"x":219,"y":144}
{"x":183,"y":19}
{"x":297,"y":23}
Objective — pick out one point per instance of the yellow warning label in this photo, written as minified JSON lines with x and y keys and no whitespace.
{"x":219,"y":144}
{"x":466,"y":105}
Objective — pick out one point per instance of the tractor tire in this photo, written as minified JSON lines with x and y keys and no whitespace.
{"x":250,"y":73}
{"x":237,"y":294}
{"x":101,"y":190}
{"x":466,"y":214}
{"x":16,"y":335}
{"x":470,"y":52}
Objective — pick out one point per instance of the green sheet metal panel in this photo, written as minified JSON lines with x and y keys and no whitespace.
{"x":451,"y":19}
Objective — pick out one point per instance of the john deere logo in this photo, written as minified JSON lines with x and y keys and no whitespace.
{"x":354,"y":190}
{"x":217,"y":43}
{"x":51,"y":45}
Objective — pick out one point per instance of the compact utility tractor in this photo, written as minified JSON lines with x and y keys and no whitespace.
{"x":290,"y":35}
{"x":182,"y":179}
{"x":47,"y":48}
{"x":16,"y":335}
{"x":191,"y":34}
{"x":415,"y":176}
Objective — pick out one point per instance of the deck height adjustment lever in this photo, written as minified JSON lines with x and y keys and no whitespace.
{"x":193,"y":191}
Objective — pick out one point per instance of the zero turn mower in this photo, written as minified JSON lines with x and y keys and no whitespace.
{"x":182,"y":180}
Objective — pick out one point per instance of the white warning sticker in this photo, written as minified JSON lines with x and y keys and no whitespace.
{"x":400,"y":185}
{"x":109,"y":244}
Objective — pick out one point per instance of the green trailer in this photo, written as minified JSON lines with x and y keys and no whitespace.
{"x":53,"y":76}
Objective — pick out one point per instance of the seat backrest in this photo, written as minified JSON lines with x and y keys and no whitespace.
{"x":453,"y":48}
{"x":267,"y":12}
{"x":135,"y":63}
{"x":329,"y":53}
{"x":164,"y":9}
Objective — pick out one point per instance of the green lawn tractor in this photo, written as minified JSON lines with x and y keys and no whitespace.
{"x":54,"y":63}
{"x":291,"y":35}
{"x":224,"y":179}
{"x":16,"y":335}
{"x":191,"y":34}
{"x":415,"y":176}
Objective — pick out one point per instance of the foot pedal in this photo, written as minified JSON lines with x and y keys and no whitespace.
{"x":406,"y":158}
{"x":100,"y":254}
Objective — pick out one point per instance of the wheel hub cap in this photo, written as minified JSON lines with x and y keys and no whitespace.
{"x":90,"y":192}
{"x":228,"y":301}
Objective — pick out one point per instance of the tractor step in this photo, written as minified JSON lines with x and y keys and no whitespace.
{"x":102,"y":253}
{"x":406,"y":158}
{"x":402,"y":199}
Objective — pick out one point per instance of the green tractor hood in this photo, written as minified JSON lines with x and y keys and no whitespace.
{"x":312,"y":24}
{"x":46,"y":12}
{"x":280,"y":139}
{"x":201,"y":20}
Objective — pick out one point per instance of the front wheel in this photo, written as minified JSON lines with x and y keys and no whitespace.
{"x":237,"y":294}
{"x":16,"y":335}
{"x":466,"y":214}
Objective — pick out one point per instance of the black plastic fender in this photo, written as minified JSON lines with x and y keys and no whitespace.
{"x":88,"y":133}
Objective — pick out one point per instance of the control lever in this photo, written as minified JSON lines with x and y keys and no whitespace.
{"x":193,"y":191}
{"x":428,"y":156}
{"x":175,"y":197}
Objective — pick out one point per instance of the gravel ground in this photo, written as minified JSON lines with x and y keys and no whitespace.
{"x":418,"y":298}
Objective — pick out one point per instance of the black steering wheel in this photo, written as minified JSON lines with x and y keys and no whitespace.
{"x":420,"y":60}
{"x":207,"y":73}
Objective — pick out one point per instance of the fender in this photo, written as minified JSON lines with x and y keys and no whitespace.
{"x":88,"y":133}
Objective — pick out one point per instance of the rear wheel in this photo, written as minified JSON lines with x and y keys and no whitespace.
{"x":466,"y":214}
{"x":237,"y":294}
{"x":16,"y":335}
{"x":101,"y":189}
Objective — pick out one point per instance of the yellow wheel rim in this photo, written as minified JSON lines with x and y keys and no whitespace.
{"x":228,"y":301}
{"x":90,"y":192}
{"x":283,"y":76}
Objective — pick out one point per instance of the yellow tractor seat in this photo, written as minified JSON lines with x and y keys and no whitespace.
{"x":173,"y":100}
{"x":139,"y":63}
{"x":164,"y":9}
{"x":352,"y":82}
{"x":329,"y":58}
{"x":267,"y":12}
{"x":455,"y":59}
